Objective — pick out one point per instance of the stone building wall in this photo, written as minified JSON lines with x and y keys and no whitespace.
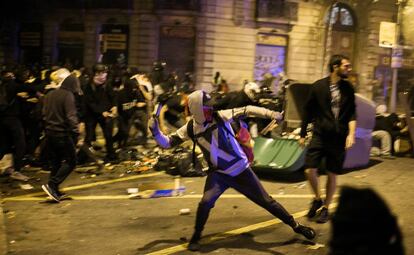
{"x":226,"y":37}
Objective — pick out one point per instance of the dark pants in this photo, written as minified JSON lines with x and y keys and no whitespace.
{"x":247,"y":184}
{"x":62,"y":156}
{"x":141,"y":122}
{"x":106,"y":125}
{"x":13,"y":129}
{"x":124,"y":125}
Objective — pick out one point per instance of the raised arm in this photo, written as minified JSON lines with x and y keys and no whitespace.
{"x":167,"y":141}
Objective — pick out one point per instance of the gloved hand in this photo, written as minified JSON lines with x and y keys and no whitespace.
{"x":154,"y":126}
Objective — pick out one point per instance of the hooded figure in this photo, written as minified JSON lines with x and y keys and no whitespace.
{"x":61,"y":126}
{"x":228,"y":164}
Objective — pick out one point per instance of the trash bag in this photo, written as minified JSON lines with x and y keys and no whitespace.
{"x":179,"y":162}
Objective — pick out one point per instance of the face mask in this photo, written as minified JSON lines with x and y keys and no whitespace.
{"x":208,"y":113}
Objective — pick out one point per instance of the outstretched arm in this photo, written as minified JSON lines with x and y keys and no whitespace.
{"x":250,"y":111}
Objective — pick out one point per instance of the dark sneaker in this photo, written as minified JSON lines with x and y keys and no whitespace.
{"x":316,"y":204}
{"x":307,"y":232}
{"x":63,"y":196}
{"x":323,"y":215}
{"x":194,"y":244}
{"x":51,"y":193}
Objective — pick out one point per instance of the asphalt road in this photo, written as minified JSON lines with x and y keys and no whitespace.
{"x":101,"y":219}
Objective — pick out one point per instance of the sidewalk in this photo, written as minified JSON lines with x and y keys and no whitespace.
{"x":3,"y":239}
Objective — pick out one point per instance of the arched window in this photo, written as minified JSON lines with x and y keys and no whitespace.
{"x":341,"y":17}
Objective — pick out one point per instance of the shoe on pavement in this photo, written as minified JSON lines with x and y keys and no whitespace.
{"x":51,"y":193}
{"x":19,"y":176}
{"x":194,"y":244}
{"x":387,"y":156}
{"x":307,"y":232}
{"x":63,"y":196}
{"x":316,"y":204}
{"x":323,"y":215}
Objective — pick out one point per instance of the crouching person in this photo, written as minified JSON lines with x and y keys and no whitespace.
{"x":229,"y":165}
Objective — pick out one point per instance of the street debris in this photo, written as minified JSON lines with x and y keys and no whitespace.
{"x":316,"y":246}
{"x":300,"y":185}
{"x":360,"y":176}
{"x":184,"y":211}
{"x":26,"y":186}
{"x":154,"y":190}
{"x":132,"y":190}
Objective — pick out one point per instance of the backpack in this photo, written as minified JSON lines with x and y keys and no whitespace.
{"x":240,"y":129}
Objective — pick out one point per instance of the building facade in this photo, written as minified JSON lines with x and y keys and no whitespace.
{"x":242,"y":39}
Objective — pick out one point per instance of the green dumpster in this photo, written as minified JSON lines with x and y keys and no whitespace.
{"x":277,"y":155}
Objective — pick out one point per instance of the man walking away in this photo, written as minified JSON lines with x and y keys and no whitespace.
{"x":331,"y":108}
{"x":61,"y":126}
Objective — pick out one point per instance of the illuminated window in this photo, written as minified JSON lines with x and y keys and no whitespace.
{"x":341,"y":17}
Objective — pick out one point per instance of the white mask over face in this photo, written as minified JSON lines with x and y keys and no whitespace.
{"x":195,"y":105}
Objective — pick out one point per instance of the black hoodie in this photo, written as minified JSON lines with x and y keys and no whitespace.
{"x":59,"y":109}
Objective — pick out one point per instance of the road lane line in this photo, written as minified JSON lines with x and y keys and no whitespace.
{"x":125,"y":197}
{"x":220,"y":236}
{"x":88,"y":185}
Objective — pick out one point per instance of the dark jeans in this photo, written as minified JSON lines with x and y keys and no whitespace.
{"x":247,"y":184}
{"x":14,"y":134}
{"x":124,"y":125}
{"x":106,"y":125}
{"x":141,"y":122}
{"x":62,"y":156}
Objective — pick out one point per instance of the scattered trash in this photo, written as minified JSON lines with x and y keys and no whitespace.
{"x":360,"y":176}
{"x":154,"y":190}
{"x":93,"y":175}
{"x":184,"y":211}
{"x":132,"y":190}
{"x":315,"y":246}
{"x":300,"y":186}
{"x":11,"y":214}
{"x":12,"y":241}
{"x":26,"y":186}
{"x":281,"y":191}
{"x":235,"y":207}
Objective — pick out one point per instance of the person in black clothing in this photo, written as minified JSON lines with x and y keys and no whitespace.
{"x":127,"y":105}
{"x":100,"y":108}
{"x":144,"y":92}
{"x":331,"y":109}
{"x":61,"y":128}
{"x":10,"y":125}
